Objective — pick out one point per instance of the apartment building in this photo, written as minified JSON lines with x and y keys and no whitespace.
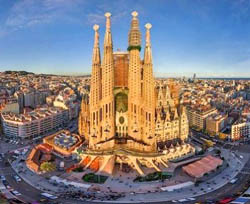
{"x":215,"y":123}
{"x":240,"y":129}
{"x":34,"y":123}
{"x":197,"y":115}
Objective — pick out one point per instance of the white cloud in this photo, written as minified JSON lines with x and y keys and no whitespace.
{"x":118,"y":9}
{"x":93,"y":18}
{"x":26,"y":13}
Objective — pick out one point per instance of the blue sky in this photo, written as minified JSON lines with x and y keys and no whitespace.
{"x":207,"y":37}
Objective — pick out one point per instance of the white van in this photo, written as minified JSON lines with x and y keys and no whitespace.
{"x":233,"y":180}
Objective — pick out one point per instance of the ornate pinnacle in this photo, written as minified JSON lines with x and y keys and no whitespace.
{"x":108,"y":38}
{"x":96,"y":27}
{"x":148,"y":26}
{"x":96,"y":51}
{"x":108,"y":24}
{"x":107,"y":14}
{"x":96,"y":42}
{"x":134,"y":40}
{"x":147,"y":53}
{"x":134,"y":14}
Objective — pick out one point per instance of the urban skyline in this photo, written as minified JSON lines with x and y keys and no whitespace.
{"x":123,"y":133}
{"x":187,"y":37}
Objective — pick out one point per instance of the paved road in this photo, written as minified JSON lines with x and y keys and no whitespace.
{"x":28,"y":192}
{"x":31,"y":194}
{"x":229,"y":190}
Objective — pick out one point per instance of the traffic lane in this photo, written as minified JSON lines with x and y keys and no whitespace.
{"x":226,"y":191}
{"x":28,"y":192}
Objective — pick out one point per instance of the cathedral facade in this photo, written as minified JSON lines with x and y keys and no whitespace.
{"x":126,"y":110}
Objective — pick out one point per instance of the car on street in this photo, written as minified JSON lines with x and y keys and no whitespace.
{"x":226,"y":200}
{"x":191,"y":199}
{"x":2,"y":178}
{"x":183,"y":200}
{"x":49,"y":196}
{"x":233,"y":180}
{"x":8,"y":187}
{"x":17,"y":178}
{"x":16,"y":193}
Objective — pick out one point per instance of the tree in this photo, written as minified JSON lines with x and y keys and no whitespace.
{"x":48,"y":166}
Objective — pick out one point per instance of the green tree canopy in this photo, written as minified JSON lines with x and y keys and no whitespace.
{"x":48,"y":166}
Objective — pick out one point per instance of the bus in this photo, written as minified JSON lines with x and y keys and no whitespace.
{"x":47,"y":195}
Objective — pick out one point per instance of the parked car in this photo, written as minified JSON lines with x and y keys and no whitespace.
{"x":16,"y":193}
{"x":233,"y":180}
{"x":17,"y":178}
{"x":2,"y":178}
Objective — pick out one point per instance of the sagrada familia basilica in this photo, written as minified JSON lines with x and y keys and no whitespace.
{"x":128,"y":118}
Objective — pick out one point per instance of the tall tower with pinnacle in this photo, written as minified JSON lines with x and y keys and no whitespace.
{"x":95,"y":91}
{"x":107,"y":129}
{"x":128,"y":115}
{"x":130,"y":120}
{"x":135,"y":129}
{"x":148,"y":117}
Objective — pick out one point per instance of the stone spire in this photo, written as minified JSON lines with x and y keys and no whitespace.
{"x":96,"y":58}
{"x":108,"y":37}
{"x":107,"y":63}
{"x":95,"y":86}
{"x":96,"y":67}
{"x":106,"y":123}
{"x":135,"y":80}
{"x":134,"y":33}
{"x":148,"y":52}
{"x":149,"y":85}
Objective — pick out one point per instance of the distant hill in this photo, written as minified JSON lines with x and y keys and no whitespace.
{"x":18,"y":72}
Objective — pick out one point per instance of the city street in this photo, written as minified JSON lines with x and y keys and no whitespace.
{"x":30,"y":193}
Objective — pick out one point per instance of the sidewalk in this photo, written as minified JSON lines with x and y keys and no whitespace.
{"x":186,"y":192}
{"x":41,"y":183}
{"x":32,"y":179}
